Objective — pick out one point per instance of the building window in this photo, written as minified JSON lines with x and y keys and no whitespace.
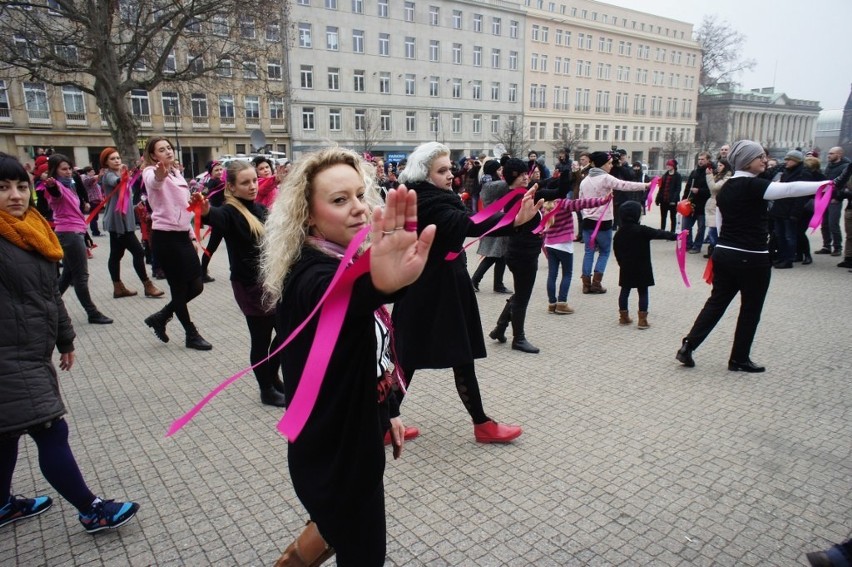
{"x":199,"y":105}
{"x":457,"y":88}
{"x":358,"y":6}
{"x":434,"y":50}
{"x":247,"y":30}
{"x":513,"y":60}
{"x":477,"y":23}
{"x":409,"y":84}
{"x":273,"y":70}
{"x":383,"y":8}
{"x":434,"y":15}
{"x":140,"y":105}
{"x":535,"y":32}
{"x":384,"y":83}
{"x":384,"y":44}
{"x":332,"y":38}
{"x":219,"y":26}
{"x":408,"y":11}
{"x":513,"y":92}
{"x":434,"y":121}
{"x":333,"y":79}
{"x":358,"y":77}
{"x":5,"y":111}
{"x":75,"y":103}
{"x":477,"y":56}
{"x":171,"y":104}
{"x":276,"y":110}
{"x":360,"y":120}
{"x":252,"y":104}
{"x":457,"y":19}
{"x":495,"y":123}
{"x":306,"y":76}
{"x":358,"y":41}
{"x":273,"y":32}
{"x":477,"y":124}
{"x":410,"y":122}
{"x":495,"y":58}
{"x":334,"y":120}
{"x":477,"y":90}
{"x":385,"y":121}
{"x":513,"y":29}
{"x":496,"y":26}
{"x":495,"y":91}
{"x":226,"y":109}
{"x":409,"y":48}
{"x":170,"y":65}
{"x":456,"y":123}
{"x":249,"y":69}
{"x":308,"y":118}
{"x":457,"y":53}
{"x":195,"y":63}
{"x":305,"y":35}
{"x":434,"y":84}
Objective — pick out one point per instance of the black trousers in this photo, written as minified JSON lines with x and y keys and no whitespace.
{"x":734,"y":272}
{"x":523,"y":270}
{"x":670,"y":210}
{"x":118,"y":243}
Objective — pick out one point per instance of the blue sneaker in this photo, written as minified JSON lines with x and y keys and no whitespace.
{"x":108,"y":515}
{"x":19,"y":508}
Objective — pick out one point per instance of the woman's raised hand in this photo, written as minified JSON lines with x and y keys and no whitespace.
{"x":397,"y":254}
{"x":161,"y":171}
{"x":199,"y":197}
{"x":529,"y":208}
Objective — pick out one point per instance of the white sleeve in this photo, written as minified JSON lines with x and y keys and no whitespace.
{"x":778,"y":190}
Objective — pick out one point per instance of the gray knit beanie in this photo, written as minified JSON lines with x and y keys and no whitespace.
{"x":796,"y":155}
{"x":743,"y":153}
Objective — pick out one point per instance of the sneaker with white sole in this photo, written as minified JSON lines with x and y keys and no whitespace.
{"x":18,"y":508}
{"x":108,"y":515}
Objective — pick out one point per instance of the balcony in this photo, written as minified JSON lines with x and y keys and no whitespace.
{"x":278,"y":124}
{"x":227,"y":122}
{"x":252,"y":120}
{"x":5,"y":115}
{"x":200,"y":122}
{"x":144,"y":120}
{"x":172,"y":121}
{"x":639,"y":112}
{"x":76,"y":119}
{"x":37,"y":117}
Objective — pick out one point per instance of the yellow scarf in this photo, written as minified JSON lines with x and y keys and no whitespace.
{"x":32,"y":232}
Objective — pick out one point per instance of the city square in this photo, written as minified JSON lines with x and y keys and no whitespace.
{"x":627,"y":457}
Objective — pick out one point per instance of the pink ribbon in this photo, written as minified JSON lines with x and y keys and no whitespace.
{"x":680,"y":252}
{"x":655,"y":182}
{"x":490,"y":211}
{"x":310,"y":381}
{"x":821,"y":201}
{"x":547,"y":216}
{"x":598,"y":226}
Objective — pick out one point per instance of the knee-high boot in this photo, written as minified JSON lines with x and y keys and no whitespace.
{"x":519,"y":340}
{"x":499,"y":332}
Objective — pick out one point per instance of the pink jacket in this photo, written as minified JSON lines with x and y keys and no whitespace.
{"x":169,"y":199}
{"x":599,"y":184}
{"x":66,"y":210}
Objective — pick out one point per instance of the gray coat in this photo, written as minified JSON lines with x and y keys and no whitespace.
{"x":33,"y":321}
{"x":115,"y":220}
{"x":493,"y":246}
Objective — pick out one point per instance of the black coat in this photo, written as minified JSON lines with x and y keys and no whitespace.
{"x":675,"y":183}
{"x":337,"y":462}
{"x":437,"y":322}
{"x":698,"y":180}
{"x":243,"y":246}
{"x":632,"y":248}
{"x":33,"y":321}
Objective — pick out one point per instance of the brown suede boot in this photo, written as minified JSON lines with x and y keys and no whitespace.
{"x":151,"y":290}
{"x":562,"y":308}
{"x":309,"y":550}
{"x":624,"y":317}
{"x":587,"y":284}
{"x":551,"y":308}
{"x":596,"y":283}
{"x":119,"y":290}
{"x":643,"y":320}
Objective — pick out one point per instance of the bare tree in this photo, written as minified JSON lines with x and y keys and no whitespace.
{"x":676,"y":147}
{"x":567,"y":139}
{"x":711,"y":131}
{"x":108,"y":48}
{"x":513,"y":137}
{"x":370,"y":134}
{"x":721,"y":48}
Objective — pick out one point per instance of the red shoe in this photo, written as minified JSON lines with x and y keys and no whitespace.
{"x":493,"y":432}
{"x":410,"y":433}
{"x":89,"y":254}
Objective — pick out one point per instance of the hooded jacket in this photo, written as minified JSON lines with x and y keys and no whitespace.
{"x":632,"y":247}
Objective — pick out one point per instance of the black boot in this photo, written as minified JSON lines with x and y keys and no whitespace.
{"x":523,"y":345}
{"x":499,"y":271}
{"x":519,"y":340}
{"x":98,"y":318}
{"x":269,"y":396}
{"x":684,"y":354}
{"x":499,"y":332}
{"x":158,"y":322}
{"x":195,"y":340}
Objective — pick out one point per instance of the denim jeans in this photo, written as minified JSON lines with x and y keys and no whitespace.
{"x":688,"y":223}
{"x":713,"y":235}
{"x":556,"y":259}
{"x":603,"y":242}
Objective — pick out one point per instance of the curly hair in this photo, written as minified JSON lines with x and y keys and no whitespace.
{"x":420,"y":161}
{"x":287,"y":223}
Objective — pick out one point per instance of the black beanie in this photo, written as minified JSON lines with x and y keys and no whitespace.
{"x":490,"y":168}
{"x":513,"y":168}
{"x":630,"y":212}
{"x":600,"y":158}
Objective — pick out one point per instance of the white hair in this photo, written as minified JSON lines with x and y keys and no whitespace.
{"x":420,"y":160}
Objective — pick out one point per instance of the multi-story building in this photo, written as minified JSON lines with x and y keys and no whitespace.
{"x":775,"y":120}
{"x":383,"y":76}
{"x":601,"y":77}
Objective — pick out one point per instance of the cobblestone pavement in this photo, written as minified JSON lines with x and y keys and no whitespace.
{"x":627,"y":457}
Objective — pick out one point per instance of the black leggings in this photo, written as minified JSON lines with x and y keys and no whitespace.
{"x":467,"y":387}
{"x":262,"y":343}
{"x":625,"y":295}
{"x":183,"y":272}
{"x":118,"y":243}
{"x":671,"y":211}
{"x":55,"y":460}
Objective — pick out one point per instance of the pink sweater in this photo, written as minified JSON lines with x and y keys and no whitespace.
{"x":599,"y":184}
{"x":66,"y":210}
{"x":562,"y":229}
{"x":169,"y":199}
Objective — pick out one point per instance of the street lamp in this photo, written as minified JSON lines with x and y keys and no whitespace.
{"x":174,"y":115}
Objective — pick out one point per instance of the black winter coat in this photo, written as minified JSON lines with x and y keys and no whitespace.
{"x":675,"y":182}
{"x":33,"y":321}
{"x":437,"y":322}
{"x":632,"y":248}
{"x":698,"y":180}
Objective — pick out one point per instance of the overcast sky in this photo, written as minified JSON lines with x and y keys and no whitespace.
{"x":804,"y":49}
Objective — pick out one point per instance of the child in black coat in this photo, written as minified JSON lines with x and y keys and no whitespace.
{"x":632,"y":248}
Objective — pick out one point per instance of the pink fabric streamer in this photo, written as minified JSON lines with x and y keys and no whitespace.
{"x":490,"y":211}
{"x":547,"y":216}
{"x":680,"y":252}
{"x":821,"y":200}
{"x":598,"y":226}
{"x":655,"y":182}
{"x":179,"y":423}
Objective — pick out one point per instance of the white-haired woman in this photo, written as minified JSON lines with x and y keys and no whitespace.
{"x":437,"y":321}
{"x":337,"y":462}
{"x":741,"y":256}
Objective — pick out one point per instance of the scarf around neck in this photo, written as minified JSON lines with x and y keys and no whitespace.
{"x":32,"y":233}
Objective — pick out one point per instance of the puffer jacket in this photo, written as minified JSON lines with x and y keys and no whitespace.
{"x":33,"y":321}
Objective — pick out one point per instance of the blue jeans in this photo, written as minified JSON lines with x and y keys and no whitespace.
{"x":688,"y":223}
{"x":603,"y":243}
{"x":555,"y":259}
{"x":713,"y":235}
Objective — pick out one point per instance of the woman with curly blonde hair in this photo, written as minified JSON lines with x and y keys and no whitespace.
{"x":338,"y":460}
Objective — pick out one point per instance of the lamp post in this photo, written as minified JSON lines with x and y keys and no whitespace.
{"x":177,"y":139}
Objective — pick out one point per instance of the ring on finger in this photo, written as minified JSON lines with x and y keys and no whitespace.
{"x":387,"y":232}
